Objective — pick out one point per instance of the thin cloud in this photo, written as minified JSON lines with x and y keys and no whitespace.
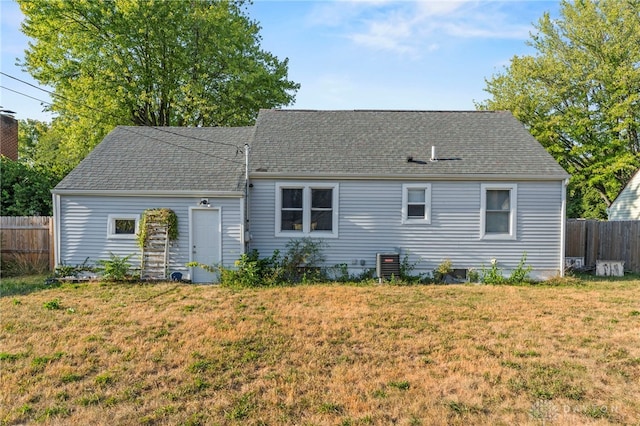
{"x":412,"y":28}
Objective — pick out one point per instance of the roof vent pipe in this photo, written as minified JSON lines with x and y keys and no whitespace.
{"x":433,"y":153}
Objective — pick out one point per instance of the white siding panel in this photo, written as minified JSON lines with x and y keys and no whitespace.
{"x":370,"y":222}
{"x":83,"y":228}
{"x":626,"y":206}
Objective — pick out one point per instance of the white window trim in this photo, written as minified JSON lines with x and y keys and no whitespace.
{"x":111,"y":226}
{"x":513,"y":214}
{"x":306,"y":209}
{"x":405,"y":204}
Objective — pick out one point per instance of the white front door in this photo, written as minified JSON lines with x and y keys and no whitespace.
{"x":205,"y":242}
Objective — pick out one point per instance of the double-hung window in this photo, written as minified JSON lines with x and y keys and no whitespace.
{"x":498,"y":214}
{"x":416,"y":203}
{"x":307,"y":209}
{"x":122,"y":226}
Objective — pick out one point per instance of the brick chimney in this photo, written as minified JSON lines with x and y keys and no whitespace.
{"x":9,"y":136}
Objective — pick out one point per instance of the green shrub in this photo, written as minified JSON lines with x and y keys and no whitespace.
{"x":340,"y":273}
{"x":492,"y":275}
{"x":63,"y":270}
{"x":443,"y":269}
{"x":521,"y":273}
{"x":300,"y":264}
{"x":406,"y":272}
{"x":116,"y":268}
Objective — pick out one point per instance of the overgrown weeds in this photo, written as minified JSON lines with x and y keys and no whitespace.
{"x":22,"y":264}
{"x":299,"y":264}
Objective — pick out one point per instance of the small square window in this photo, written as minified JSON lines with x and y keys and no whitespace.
{"x":125,"y":226}
{"x":122,"y":226}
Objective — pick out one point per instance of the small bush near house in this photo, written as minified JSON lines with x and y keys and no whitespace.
{"x":407,"y":276}
{"x":116,"y":268}
{"x":300,"y":264}
{"x":521,"y":273}
{"x":340,"y":273}
{"x":492,"y":275}
{"x":64,"y":271}
{"x":444,"y":269}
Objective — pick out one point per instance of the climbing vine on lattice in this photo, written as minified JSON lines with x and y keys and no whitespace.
{"x":163,"y":216}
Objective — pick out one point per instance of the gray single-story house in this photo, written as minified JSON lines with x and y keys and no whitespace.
{"x":626,"y":206}
{"x":464,"y":186}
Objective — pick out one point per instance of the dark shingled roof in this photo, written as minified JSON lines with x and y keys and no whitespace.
{"x":379,"y":143}
{"x":164,"y":159}
{"x":314,"y":143}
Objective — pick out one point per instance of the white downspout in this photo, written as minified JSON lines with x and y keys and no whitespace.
{"x":245,"y":222}
{"x":563,"y":226}
{"x":56,"y":228}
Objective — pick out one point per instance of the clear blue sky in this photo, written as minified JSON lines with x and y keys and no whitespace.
{"x":367,"y":54}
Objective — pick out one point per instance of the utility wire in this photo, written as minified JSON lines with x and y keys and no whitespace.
{"x":24,"y":94}
{"x":50,"y":92}
{"x":157,"y":128}
{"x":28,"y":84}
{"x":131,"y":130}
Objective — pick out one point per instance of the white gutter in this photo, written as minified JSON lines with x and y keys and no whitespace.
{"x":151,"y":193}
{"x":407,"y":177}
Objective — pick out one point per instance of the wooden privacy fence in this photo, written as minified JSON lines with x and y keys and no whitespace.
{"x":28,"y":239}
{"x":595,"y":240}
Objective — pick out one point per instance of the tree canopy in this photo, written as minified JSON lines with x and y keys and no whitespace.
{"x":149,"y":62}
{"x":25,"y":189}
{"x":579,"y":95}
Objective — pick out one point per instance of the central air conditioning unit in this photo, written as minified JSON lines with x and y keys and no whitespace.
{"x":387,"y":265}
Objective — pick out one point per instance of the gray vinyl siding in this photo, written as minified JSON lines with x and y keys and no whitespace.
{"x":84,"y":219}
{"x":370,"y":222}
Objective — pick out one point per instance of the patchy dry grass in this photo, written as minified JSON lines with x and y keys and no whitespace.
{"x":327,"y":354}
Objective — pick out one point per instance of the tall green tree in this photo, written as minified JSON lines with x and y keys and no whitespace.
{"x":580,"y":96}
{"x":25,"y":190}
{"x":149,"y":62}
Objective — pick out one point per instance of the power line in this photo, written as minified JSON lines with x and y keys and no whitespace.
{"x":52,"y":93}
{"x":24,"y":94}
{"x":131,"y":130}
{"x":159,"y":128}
{"x":28,"y":84}
{"x":128,"y":128}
